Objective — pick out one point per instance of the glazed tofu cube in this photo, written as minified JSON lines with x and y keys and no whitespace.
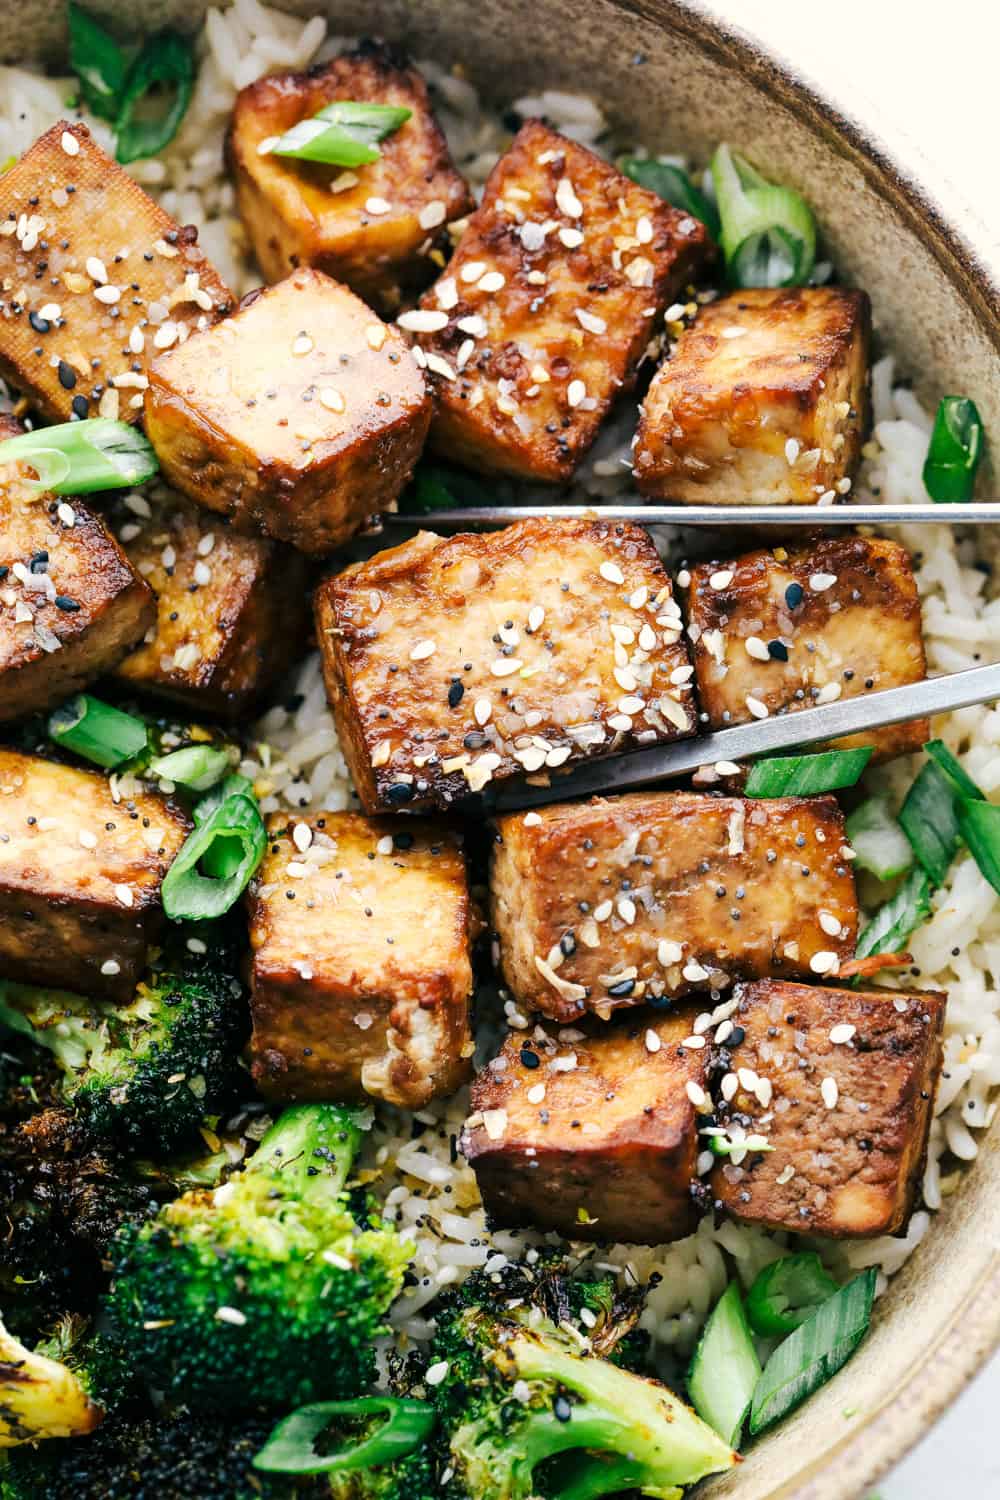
{"x":626,"y":900}
{"x":232,"y":611}
{"x":381,"y":228}
{"x":451,"y":663}
{"x":776,"y":631}
{"x":299,"y":416}
{"x":543,"y":314}
{"x":596,"y":1138}
{"x":839,"y":1084}
{"x":80,"y":876}
{"x":95,"y":279}
{"x":361,"y":977}
{"x":764,"y":401}
{"x":71,"y":605}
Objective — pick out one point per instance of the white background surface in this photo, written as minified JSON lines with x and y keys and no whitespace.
{"x":930,"y":69}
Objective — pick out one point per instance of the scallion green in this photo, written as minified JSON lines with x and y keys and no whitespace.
{"x":725,"y":1369}
{"x":879,"y":843}
{"x":216,"y":861}
{"x":786,"y":1293}
{"x":196,"y":766}
{"x":98,"y":62}
{"x":343,"y":134}
{"x":232,"y":786}
{"x":76,"y":458}
{"x":954,"y":770}
{"x":96,"y":730}
{"x":979,"y":824}
{"x":892,"y":924}
{"x":292,"y":1446}
{"x":673,"y":184}
{"x":955,"y":450}
{"x":817,"y":1349}
{"x":768,"y":233}
{"x":166,"y":60}
{"x":805,"y":775}
{"x":929,"y":818}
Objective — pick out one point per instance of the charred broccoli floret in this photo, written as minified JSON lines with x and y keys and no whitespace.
{"x":529,"y":1406}
{"x":148,"y":1070}
{"x":266,"y":1291}
{"x":59,"y":1389}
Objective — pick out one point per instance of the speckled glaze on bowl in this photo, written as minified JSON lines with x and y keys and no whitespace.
{"x":677,"y":77}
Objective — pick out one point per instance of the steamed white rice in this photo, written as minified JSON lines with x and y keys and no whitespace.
{"x":296,"y":760}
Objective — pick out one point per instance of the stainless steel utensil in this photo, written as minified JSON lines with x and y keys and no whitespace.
{"x":816,"y":516}
{"x":787,"y":732}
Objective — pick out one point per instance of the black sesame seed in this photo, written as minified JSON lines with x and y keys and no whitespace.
{"x":794,"y":595}
{"x":402,"y":841}
{"x":624,"y":988}
{"x":80,"y":406}
{"x":561,"y":1409}
{"x":529,"y":1059}
{"x":400,"y":791}
{"x":455,"y":693}
{"x":777,"y":650}
{"x":39,"y":324}
{"x":67,"y":375}
{"x":63,"y":601}
{"x":568,"y":944}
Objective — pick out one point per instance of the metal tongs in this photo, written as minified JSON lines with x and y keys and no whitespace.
{"x":721,"y":516}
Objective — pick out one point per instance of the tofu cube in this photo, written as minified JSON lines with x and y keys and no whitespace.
{"x":361,"y":978}
{"x":95,"y":279}
{"x":71,"y":604}
{"x":299,"y":416}
{"x":381,"y":228}
{"x":80,"y":876}
{"x":232,"y":611}
{"x":764,"y":401}
{"x":454,"y":662}
{"x":840,"y":1085}
{"x":626,"y":900}
{"x":596,"y":1138}
{"x":783,"y":629}
{"x":545,"y":311}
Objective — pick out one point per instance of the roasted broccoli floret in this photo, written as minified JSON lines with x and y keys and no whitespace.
{"x":59,"y":1389}
{"x":266,"y":1291}
{"x":149,"y":1070}
{"x":528,"y":1406}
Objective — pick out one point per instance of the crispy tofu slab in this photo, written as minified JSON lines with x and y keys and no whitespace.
{"x":594,"y":1136}
{"x":361,"y":977}
{"x":381,"y":228}
{"x":840,"y":1084}
{"x":764,"y":401}
{"x":775,"y":631}
{"x":232,"y":611}
{"x":80,"y":876}
{"x":450,"y":663}
{"x":624,"y":900}
{"x":71,"y":605}
{"x":299,"y":416}
{"x":544,"y":312}
{"x":95,"y":279}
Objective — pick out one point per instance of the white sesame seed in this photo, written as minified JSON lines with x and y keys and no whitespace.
{"x":566,"y":200}
{"x":681,"y":675}
{"x":611,"y":572}
{"x":733,"y":332}
{"x":472,"y":270}
{"x":51,"y":311}
{"x":842,"y":1033}
{"x":643,"y":230}
{"x":785,"y":1175}
{"x":828,"y":693}
{"x":630,"y":705}
{"x":730,"y":1084}
{"x":302,"y":837}
{"x":830,"y":1092}
{"x":137,"y":340}
{"x":230,"y":1315}
{"x":423,"y":320}
{"x":695,"y":1093}
{"x":694,"y":973}
{"x":694,"y":1041}
{"x":576,"y":392}
{"x":647,"y":638}
{"x":824,"y":962}
{"x":820,"y":581}
{"x":475,"y":326}
{"x":668,"y":953}
{"x":87,"y":840}
{"x":536,"y":616}
{"x":96,"y":269}
{"x":302,"y":344}
{"x":111,"y":966}
{"x":432,"y":214}
{"x":758,"y":709}
{"x":505,"y":666}
{"x":376,"y":335}
{"x":829,"y":923}
{"x":792,"y":449}
{"x":482,"y":708}
{"x":590,"y":322}
{"x":764,"y":1092}
{"x":107,"y":294}
{"x":536,"y":1093}
{"x":422,"y":650}
{"x":756,"y":648}
{"x":377,"y":206}
{"x":571,"y":238}
{"x":66,"y":514}
{"x":493,"y":281}
{"x":652,"y":1041}
{"x":723,"y":1032}
{"x":202,"y":574}
{"x":331,"y":399}
{"x":626,"y":910}
{"x":727,"y":768}
{"x":722,"y":579}
{"x":603,"y":912}
{"x":69,"y":143}
{"x":901,"y":1005}
{"x":123,"y":895}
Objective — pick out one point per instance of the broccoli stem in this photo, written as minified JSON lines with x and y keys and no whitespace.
{"x":312,"y":1147}
{"x":587,"y":1477}
{"x":619,"y":1413}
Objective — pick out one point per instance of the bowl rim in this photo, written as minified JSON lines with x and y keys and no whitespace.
{"x":893,"y":165}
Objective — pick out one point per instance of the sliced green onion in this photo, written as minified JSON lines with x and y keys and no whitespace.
{"x":291,"y":1448}
{"x":954,"y":770}
{"x":196,"y":766}
{"x":725,"y":1368}
{"x":674,"y":185}
{"x":76,"y":458}
{"x":98,"y":62}
{"x":232,"y":786}
{"x":814,"y":1352}
{"x":929,"y":818}
{"x":879,"y":844}
{"x":344,"y":134}
{"x":979,"y":824}
{"x":768,"y":233}
{"x":955,"y":450}
{"x":228,"y":846}
{"x":97,"y":731}
{"x":804,"y":775}
{"x":787,"y":1292}
{"x":140,"y":131}
{"x":724,"y":1145}
{"x":892,"y":924}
